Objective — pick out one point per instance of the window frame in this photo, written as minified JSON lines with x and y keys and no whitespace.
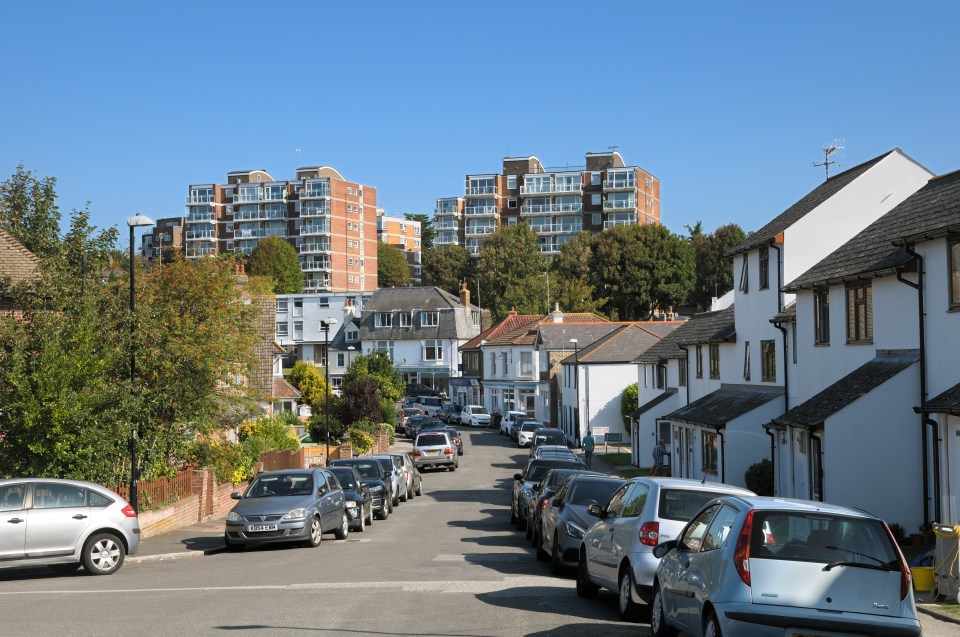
{"x":859,"y":310}
{"x":746,"y":360}
{"x":764,"y":267}
{"x":709,"y":451}
{"x":699,"y":361}
{"x":821,"y":316}
{"x":768,"y":361}
{"x":745,"y":274}
{"x":682,"y":376}
{"x":953,"y":272}
{"x":432,"y":349}
{"x":383,"y":319}
{"x":714,"y":361}
{"x":429,"y":318}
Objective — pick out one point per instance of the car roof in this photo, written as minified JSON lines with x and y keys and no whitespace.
{"x":690,"y":483}
{"x":555,"y":461}
{"x":762,"y":503}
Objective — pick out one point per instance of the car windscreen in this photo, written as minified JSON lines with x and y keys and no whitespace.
{"x":817,"y":537}
{"x":431,"y":440}
{"x":274,"y":484}
{"x":584,"y":492}
{"x":536,"y":470}
{"x":345,"y":477}
{"x":478,"y":410}
{"x":368,"y":468}
{"x":682,"y":504}
{"x":386,"y":464}
{"x":548,"y":439}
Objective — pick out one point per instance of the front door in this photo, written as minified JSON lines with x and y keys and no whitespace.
{"x":683,"y":452}
{"x":13,"y":521}
{"x":800,"y":443}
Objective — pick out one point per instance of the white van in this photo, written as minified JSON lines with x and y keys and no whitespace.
{"x":429,"y":404}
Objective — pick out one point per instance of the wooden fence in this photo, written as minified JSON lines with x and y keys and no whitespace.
{"x":160,"y":491}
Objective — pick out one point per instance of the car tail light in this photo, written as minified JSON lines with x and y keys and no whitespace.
{"x":128,"y":511}
{"x":741,"y":553}
{"x":448,"y":451}
{"x":416,"y":452}
{"x":543,"y":503}
{"x":650,"y":533}
{"x":905,"y":579}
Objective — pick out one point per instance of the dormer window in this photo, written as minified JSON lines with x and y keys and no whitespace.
{"x":383,"y":319}
{"x":406,"y":319}
{"x":429,"y":319}
{"x":353,"y":335}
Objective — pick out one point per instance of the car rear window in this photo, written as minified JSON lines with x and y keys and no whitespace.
{"x":529,"y":426}
{"x":683,"y":504}
{"x":816,"y":537}
{"x":586,"y":491}
{"x":431,"y":440}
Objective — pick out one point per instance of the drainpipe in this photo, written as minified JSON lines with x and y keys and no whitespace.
{"x":786,"y":386}
{"x":773,"y":453}
{"x":924,"y":420}
{"x":686,"y":363}
{"x":723,"y":455}
{"x":819,"y":440}
{"x":936,"y":465}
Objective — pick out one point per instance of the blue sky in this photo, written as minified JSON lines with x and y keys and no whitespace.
{"x":728,"y":103}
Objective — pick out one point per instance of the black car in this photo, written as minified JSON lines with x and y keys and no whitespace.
{"x":416,"y":424}
{"x":359,"y":502}
{"x":371,"y":474}
{"x":532,"y":474}
{"x":542,"y":492}
{"x":547,"y":436}
{"x":450,"y":413}
{"x":422,"y":390}
{"x":455,"y":437}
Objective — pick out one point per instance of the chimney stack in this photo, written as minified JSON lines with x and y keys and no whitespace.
{"x":464,"y":294}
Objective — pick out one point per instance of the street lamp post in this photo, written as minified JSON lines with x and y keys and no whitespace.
{"x":325,"y":326}
{"x":134,"y":222}
{"x":576,"y":386}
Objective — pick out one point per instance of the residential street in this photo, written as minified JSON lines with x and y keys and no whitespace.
{"x":447,"y":563}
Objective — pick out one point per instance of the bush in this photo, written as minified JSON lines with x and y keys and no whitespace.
{"x":230,"y":461}
{"x":759,"y":477}
{"x":361,"y":440}
{"x":628,"y":404}
{"x":318,"y":428}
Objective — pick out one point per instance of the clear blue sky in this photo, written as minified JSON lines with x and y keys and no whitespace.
{"x":728,"y":103}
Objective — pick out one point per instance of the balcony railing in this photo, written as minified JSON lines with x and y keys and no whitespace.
{"x":314,"y":285}
{"x":314,"y":193}
{"x":248,"y":196}
{"x":445,"y":240}
{"x":202,"y":217}
{"x":481,"y":210}
{"x":195,"y":200}
{"x":195,"y":235}
{"x":445,"y":212}
{"x":475,"y":191}
{"x":315,"y":266}
{"x":539,"y":209}
{"x":249,"y":233}
{"x":617,"y":204}
{"x":258,"y":215}
{"x":619,"y":184}
{"x":201,"y":252}
{"x":313,"y":248}
{"x":315,"y":211}
{"x":315,"y":228}
{"x":480,"y":232}
{"x":536,"y":189}
{"x":557,"y":228}
{"x":548,"y":248}
{"x":446,"y":225}
{"x":620,"y":222}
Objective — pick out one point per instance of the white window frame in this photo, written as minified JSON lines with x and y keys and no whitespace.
{"x":383,"y":319}
{"x":432,"y":350}
{"x":429,"y":318}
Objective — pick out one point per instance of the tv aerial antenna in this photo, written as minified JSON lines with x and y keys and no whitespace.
{"x":832,"y":151}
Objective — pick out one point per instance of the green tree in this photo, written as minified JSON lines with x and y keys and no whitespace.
{"x":360,"y":400}
{"x":377,"y":365}
{"x":276,"y":258}
{"x":445,"y":266}
{"x":714,"y":272}
{"x":572,"y":287}
{"x":28,"y":211}
{"x":427,"y":233}
{"x":508,"y":264}
{"x":311,"y":383}
{"x":392,"y":268}
{"x":629,"y":401}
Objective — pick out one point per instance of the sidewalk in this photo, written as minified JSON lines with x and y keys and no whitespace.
{"x":196,"y":540}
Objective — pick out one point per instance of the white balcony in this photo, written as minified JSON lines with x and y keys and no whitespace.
{"x":201,"y":217}
{"x":315,"y":210}
{"x":548,"y":248}
{"x":481,"y":231}
{"x":481,"y":211}
{"x":316,"y":285}
{"x":446,"y":225}
{"x":315,"y":265}
{"x":314,"y":228}
{"x":313,"y":248}
{"x":481,"y":191}
{"x":620,"y":184}
{"x":443,"y":239}
{"x":258,"y":215}
{"x":199,"y":235}
{"x":618,"y":204}
{"x":536,"y":189}
{"x":558,"y":228}
{"x":199,"y":200}
{"x":620,"y":222}
{"x":552,"y":208}
{"x":201,"y":251}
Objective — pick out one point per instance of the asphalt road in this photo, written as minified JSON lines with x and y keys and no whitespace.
{"x":445,"y":564}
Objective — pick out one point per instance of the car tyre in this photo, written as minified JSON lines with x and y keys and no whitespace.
{"x":383,"y":513}
{"x":711,"y":627}
{"x":396,"y":500}
{"x":103,"y":554}
{"x":344,"y":530}
{"x":369,"y":519}
{"x":513,"y":517}
{"x":361,"y":523}
{"x":453,"y":467}
{"x":316,"y":533}
{"x":585,"y":588}
{"x":542,"y":555}
{"x":405,"y":496}
{"x":556,"y":564}
{"x":529,"y":532}
{"x":420,"y":488}
{"x":630,"y":611}
{"x":521,"y":523}
{"x":658,"y":624}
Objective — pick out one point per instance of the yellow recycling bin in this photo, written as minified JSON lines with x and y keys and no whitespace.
{"x":923,"y":578}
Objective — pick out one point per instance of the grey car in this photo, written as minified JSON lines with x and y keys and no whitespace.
{"x":64,"y":524}
{"x":414,"y":479}
{"x":435,"y":449}
{"x":398,"y":480}
{"x":775,"y":567}
{"x":293,"y":505}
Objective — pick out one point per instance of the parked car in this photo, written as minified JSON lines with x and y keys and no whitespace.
{"x":379,"y":484}
{"x":525,"y":432}
{"x":431,"y":425}
{"x":617,"y":550}
{"x":765,"y":566}
{"x":551,"y":450}
{"x":64,"y":524}
{"x":398,"y":481}
{"x":450,"y":413}
{"x":415,"y":422}
{"x":415,"y":389}
{"x":509,"y":420}
{"x":547,"y":436}
{"x":564,"y":521}
{"x":475,"y":416}
{"x":293,"y":505}
{"x":543,"y":492}
{"x":359,"y":502}
{"x":524,"y":482}
{"x":435,"y":449}
{"x":457,"y":439}
{"x":430,"y":405}
{"x":414,"y":480}
{"x":405,"y":414}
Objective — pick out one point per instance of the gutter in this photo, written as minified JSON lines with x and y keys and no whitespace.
{"x":779,"y":326}
{"x":773,"y":453}
{"x":819,"y":462}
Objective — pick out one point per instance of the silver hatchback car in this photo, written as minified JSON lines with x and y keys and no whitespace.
{"x":435,"y":449}
{"x":64,"y":524}
{"x":775,"y":567}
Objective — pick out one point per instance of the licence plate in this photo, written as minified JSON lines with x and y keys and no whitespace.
{"x":432,"y":452}
{"x":254,"y":528}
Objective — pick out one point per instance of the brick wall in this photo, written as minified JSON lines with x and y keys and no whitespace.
{"x":209,"y":499}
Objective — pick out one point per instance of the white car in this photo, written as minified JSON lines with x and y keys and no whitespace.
{"x":509,"y":421}
{"x":525,"y":433}
{"x":475,"y":416}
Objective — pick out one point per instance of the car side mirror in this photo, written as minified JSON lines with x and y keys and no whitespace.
{"x":386,"y":475}
{"x":595,"y":510}
{"x":663,"y":548}
{"x":557,"y":502}
{"x":235,"y":495}
{"x":321,"y":491}
{"x":518,"y":476}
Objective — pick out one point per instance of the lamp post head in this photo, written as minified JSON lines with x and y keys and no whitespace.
{"x":139,"y":220}
{"x":573,"y":340}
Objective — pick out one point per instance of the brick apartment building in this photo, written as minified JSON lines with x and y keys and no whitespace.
{"x":405,"y":235}
{"x":557,"y":203}
{"x":330,"y":221}
{"x":165,"y":238}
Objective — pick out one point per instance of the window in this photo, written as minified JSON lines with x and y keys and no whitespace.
{"x":341,"y":359}
{"x":595,"y":199}
{"x":821,"y":316}
{"x":512,"y":202}
{"x":323,"y":302}
{"x":661,"y":376}
{"x":594,"y":179}
{"x":719,"y":529}
{"x":298,"y":307}
{"x":714,"y":361}
{"x":746,"y":360}
{"x":526,"y":364}
{"x":429,"y":319}
{"x":493,"y":363}
{"x":692,"y":538}
{"x":298,"y":330}
{"x":953,"y":246}
{"x":336,"y":383}
{"x":633,"y":506}
{"x":699,"y":361}
{"x":281,"y":305}
{"x":57,"y":496}
{"x":353,"y":334}
{"x":768,"y":361}
{"x":744,"y":276}
{"x":433,"y":350}
{"x":512,"y":184}
{"x":683,"y":373}
{"x":383,"y":319}
{"x":860,"y":313}
{"x":406,"y":319}
{"x":503,"y":362}
{"x":385,"y":347}
{"x":595,"y":218}
{"x":708,"y":451}
{"x":283,"y":329}
{"x":764,"y":268}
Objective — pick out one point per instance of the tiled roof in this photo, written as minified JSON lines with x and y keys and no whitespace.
{"x":650,"y":404}
{"x":283,"y":389}
{"x":934,"y":210}
{"x":455,"y":321}
{"x":619,"y":346}
{"x":16,"y":262}
{"x":946,"y":403}
{"x":787,"y":315}
{"x":848,"y":389}
{"x":709,"y":327}
{"x":718,"y":408}
{"x":527,"y":334}
{"x":512,"y":322}
{"x":807,"y":204}
{"x":660,"y":328}
{"x":556,"y":336}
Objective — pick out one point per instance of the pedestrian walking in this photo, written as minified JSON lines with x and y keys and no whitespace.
{"x":658,"y":454}
{"x":496,"y":416}
{"x":587,"y":444}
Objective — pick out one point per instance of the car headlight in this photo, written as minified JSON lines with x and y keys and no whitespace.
{"x":573,"y":530}
{"x":234,"y":517}
{"x":295,"y":514}
{"x":525,"y":492}
{"x":376,"y":490}
{"x":351,"y":504}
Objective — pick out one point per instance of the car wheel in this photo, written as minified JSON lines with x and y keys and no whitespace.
{"x":542,"y":555}
{"x":316,"y":533}
{"x":420,"y":488}
{"x":383,"y":513}
{"x":629,"y":610}
{"x":390,"y":504}
{"x":103,"y":554}
{"x":585,"y":588}
{"x":66,"y":568}
{"x":361,"y":523}
{"x":344,"y":530}
{"x":513,"y":517}
{"x":529,"y":532}
{"x":453,"y":467}
{"x":521,"y":522}
{"x":556,"y":564}
{"x":711,"y":627}
{"x":396,"y":500}
{"x":658,"y":624}
{"x":405,"y":496}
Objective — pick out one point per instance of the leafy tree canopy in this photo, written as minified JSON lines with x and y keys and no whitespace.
{"x":507,"y":264}
{"x":714,"y":272}
{"x":28,"y":211}
{"x":392,"y":268}
{"x":427,"y":233}
{"x":377,"y":365}
{"x":276,"y":258}
{"x":311,"y":383}
{"x":445,"y":266}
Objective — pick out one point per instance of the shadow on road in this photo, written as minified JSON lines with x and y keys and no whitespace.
{"x":561,"y":599}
